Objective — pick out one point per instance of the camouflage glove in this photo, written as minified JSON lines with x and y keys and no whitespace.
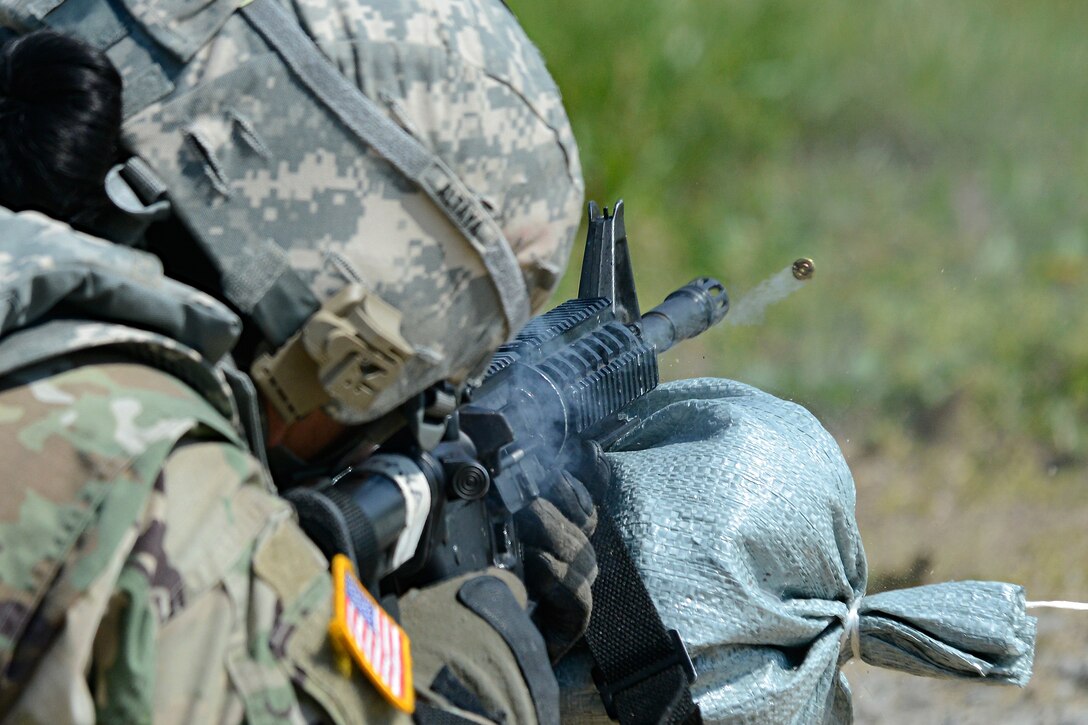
{"x":476,"y":653}
{"x":560,"y":565}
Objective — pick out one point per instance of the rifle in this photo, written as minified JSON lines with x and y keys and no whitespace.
{"x":547,"y":401}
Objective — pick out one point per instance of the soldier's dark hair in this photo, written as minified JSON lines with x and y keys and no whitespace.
{"x":60,"y":125}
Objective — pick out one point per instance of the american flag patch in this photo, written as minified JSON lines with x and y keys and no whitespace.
{"x":362,"y":631}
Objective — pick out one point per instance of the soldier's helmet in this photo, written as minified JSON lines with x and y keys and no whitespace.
{"x":386,"y":188}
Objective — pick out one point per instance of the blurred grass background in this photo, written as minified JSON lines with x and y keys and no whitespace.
{"x":933,"y":159}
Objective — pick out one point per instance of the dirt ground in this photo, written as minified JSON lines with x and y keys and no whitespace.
{"x":1056,"y":695}
{"x":934,"y":517}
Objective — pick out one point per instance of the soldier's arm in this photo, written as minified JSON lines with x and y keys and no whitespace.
{"x":147,"y":571}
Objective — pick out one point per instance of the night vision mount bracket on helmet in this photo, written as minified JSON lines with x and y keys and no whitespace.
{"x":348,"y":351}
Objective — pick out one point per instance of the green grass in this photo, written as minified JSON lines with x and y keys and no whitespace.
{"x":931,"y":157}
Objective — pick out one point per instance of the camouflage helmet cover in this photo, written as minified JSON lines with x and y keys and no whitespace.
{"x":250,"y":157}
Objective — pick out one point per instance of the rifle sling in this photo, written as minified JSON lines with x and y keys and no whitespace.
{"x":642,"y":670}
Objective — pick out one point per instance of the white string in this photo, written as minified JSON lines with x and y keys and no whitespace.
{"x":1058,"y":604}
{"x":851,"y":628}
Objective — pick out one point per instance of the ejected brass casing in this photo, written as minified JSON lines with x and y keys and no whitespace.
{"x":803,"y":269}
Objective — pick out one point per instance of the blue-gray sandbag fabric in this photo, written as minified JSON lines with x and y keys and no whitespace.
{"x":738,"y":509}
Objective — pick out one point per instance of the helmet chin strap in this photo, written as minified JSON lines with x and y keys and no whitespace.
{"x":137,"y":199}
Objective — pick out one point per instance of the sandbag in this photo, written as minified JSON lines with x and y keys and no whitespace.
{"x":738,"y":510}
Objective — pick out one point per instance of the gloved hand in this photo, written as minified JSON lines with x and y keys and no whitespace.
{"x":476,"y":653}
{"x":560,"y":565}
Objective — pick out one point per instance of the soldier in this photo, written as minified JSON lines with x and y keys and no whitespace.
{"x":379,"y":193}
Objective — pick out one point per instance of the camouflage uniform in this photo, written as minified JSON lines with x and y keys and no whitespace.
{"x":146,"y":567}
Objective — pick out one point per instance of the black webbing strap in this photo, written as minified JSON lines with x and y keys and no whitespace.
{"x":338,"y":526}
{"x":492,"y":601}
{"x":643,"y":672}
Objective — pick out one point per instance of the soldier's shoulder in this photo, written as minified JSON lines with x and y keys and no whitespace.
{"x":83,"y":448}
{"x":109,"y":413}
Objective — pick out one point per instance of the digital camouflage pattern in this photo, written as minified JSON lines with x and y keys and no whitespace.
{"x":45,"y":264}
{"x":267,"y":179}
{"x":250,"y":157}
{"x":65,"y":292}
